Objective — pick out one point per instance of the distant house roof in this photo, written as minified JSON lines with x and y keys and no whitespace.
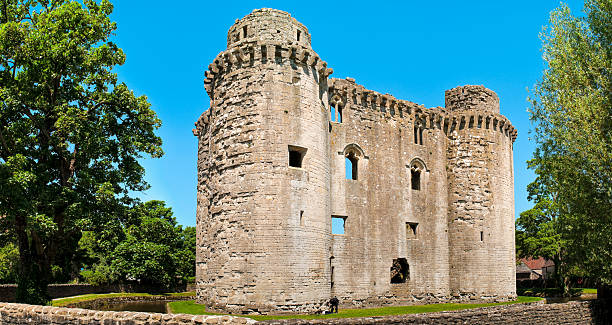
{"x":538,"y":263}
{"x":523,"y":268}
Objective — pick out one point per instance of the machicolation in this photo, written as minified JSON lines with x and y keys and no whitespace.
{"x":427,"y":210}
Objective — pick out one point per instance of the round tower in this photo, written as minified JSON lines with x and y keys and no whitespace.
{"x":480,"y":196}
{"x":263,"y":213}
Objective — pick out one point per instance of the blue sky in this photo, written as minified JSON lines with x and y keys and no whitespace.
{"x":414,"y":50}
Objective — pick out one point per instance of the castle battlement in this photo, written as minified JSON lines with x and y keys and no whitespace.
{"x":466,"y":107}
{"x":311,"y":187}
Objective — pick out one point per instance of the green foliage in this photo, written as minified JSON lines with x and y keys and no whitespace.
{"x":573,"y":130}
{"x":70,"y":133}
{"x":9,"y":255}
{"x":148,"y":247}
{"x":61,"y":302}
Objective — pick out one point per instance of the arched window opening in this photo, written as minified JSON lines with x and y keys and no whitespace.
{"x":415,"y":179}
{"x":418,"y":134}
{"x":352,"y":165}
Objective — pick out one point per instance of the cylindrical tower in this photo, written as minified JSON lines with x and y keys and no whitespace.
{"x":263,"y":167}
{"x":480,"y":196}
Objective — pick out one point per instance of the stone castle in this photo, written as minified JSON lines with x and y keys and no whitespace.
{"x":427,"y":209}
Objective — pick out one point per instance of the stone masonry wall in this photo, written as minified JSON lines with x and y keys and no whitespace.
{"x":265,"y":242}
{"x":20,"y":314}
{"x":262,"y":224}
{"x":380,"y":204}
{"x":587,"y":312}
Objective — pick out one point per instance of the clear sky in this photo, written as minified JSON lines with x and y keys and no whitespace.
{"x":414,"y":50}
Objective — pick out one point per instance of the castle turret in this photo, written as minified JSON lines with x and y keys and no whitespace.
{"x":263,"y":172}
{"x":480,"y":196}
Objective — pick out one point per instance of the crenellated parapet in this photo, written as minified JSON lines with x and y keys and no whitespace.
{"x":467,"y":107}
{"x":261,"y":53}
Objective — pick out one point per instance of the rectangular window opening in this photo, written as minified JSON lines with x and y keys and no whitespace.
{"x":482,"y":236}
{"x":351,"y":167}
{"x":244,"y":32}
{"x":338,"y":225}
{"x":411,"y":230}
{"x":302,"y":218}
{"x":400,"y":271}
{"x":415,"y":179}
{"x":333,"y":116}
{"x":296,"y":156}
{"x":298,"y":35}
{"x":421,"y":136}
{"x":416,"y":135}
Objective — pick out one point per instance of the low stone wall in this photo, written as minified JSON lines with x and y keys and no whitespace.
{"x":586,"y":312}
{"x":20,"y":314}
{"x":8,"y":291}
{"x":98,"y":303}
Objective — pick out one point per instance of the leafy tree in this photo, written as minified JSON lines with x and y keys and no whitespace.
{"x":70,"y":132}
{"x":571,"y":111}
{"x":9,"y":255}
{"x":149,"y":247}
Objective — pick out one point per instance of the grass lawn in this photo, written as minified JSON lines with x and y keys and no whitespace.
{"x":552,"y":292}
{"x":190,"y":307}
{"x":59,"y":302}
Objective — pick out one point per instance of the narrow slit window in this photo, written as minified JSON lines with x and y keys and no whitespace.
{"x":333,"y":116}
{"x":415,"y":179}
{"x":416,"y":135}
{"x":421,"y":136}
{"x":244,"y":32}
{"x":301,"y":218}
{"x":352,"y":165}
{"x":340,"y":119}
{"x":411,"y":230}
{"x":338,"y":225}
{"x":482,"y":236}
{"x":400,"y":271}
{"x":296,"y":156}
{"x":299,"y":33}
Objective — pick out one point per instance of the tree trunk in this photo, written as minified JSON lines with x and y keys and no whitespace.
{"x":34,"y":270}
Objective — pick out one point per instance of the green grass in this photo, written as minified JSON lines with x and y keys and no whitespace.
{"x":552,"y":292}
{"x":190,"y":307}
{"x":59,"y":302}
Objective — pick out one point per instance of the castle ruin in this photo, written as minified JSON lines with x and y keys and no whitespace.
{"x":428,"y":209}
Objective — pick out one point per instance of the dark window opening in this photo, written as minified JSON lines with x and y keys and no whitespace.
{"x":420,"y":136}
{"x":415,"y":179}
{"x":400,"y":271}
{"x":296,"y":156}
{"x":332,"y":273}
{"x":244,"y":32}
{"x":351,"y":166}
{"x":302,"y":218}
{"x":411,"y":230}
{"x":298,"y":35}
{"x":481,"y":236}
{"x":338,"y":225}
